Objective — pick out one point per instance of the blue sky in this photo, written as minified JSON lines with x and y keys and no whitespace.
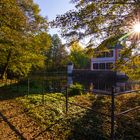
{"x":51,"y":8}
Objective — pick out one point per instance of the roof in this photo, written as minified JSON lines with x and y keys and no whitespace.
{"x":116,"y":46}
{"x":111,"y":43}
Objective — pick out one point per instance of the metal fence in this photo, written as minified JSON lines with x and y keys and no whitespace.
{"x":113,"y":116}
{"x":113,"y":95}
{"x":51,"y":87}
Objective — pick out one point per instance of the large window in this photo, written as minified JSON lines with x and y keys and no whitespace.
{"x":109,"y":65}
{"x":101,"y":54}
{"x":102,"y":66}
{"x":109,"y":54}
{"x":95,"y":66}
{"x":105,"y":54}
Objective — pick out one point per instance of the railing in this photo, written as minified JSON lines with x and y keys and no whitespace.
{"x":113,"y":94}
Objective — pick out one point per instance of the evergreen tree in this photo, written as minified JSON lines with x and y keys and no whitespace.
{"x":57,"y":55}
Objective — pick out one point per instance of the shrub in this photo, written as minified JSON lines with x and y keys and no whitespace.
{"x":75,"y":89}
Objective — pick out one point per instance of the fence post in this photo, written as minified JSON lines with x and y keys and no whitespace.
{"x":43,"y":98}
{"x":17,"y":84}
{"x":28,"y":86}
{"x":112,"y":115}
{"x":66,"y":100}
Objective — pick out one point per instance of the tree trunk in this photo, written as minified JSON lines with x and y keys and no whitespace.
{"x":3,"y":74}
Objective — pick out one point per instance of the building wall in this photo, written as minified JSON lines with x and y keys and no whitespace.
{"x":105,"y":60}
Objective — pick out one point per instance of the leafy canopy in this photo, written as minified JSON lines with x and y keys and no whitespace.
{"x":23,"y":37}
{"x":78,"y":56}
{"x":99,"y":20}
{"x":104,"y":22}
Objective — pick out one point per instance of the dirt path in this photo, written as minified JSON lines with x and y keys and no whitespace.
{"x":15,"y":124}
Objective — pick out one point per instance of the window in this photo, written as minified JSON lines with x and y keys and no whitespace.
{"x":95,"y":66}
{"x":105,"y":54}
{"x":119,"y":53}
{"x":109,"y":65}
{"x":109,"y":54}
{"x":101,"y":54}
{"x":102,"y":66}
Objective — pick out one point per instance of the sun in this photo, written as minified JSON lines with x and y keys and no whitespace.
{"x":136,"y":27}
{"x":132,"y":26}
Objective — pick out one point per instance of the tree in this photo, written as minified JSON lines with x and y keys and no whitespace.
{"x":78,"y":56}
{"x":23,"y":37}
{"x":57,"y":55}
{"x":132,"y":67}
{"x":99,"y":20}
{"x":104,"y":22}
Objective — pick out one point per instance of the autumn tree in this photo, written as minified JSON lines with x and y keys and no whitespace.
{"x":78,"y":56}
{"x":102,"y":22}
{"x":98,"y":19}
{"x":23,"y":37}
{"x":132,"y":67}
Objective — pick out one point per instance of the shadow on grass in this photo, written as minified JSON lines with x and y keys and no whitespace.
{"x":85,"y":125}
{"x":92,"y":126}
{"x":26,"y":87}
{"x":18,"y":90}
{"x":12,"y":127}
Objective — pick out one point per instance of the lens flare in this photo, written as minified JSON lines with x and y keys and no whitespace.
{"x":132,"y":27}
{"x":136,"y":28}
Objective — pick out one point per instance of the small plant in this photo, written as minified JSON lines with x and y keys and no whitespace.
{"x":75,"y":89}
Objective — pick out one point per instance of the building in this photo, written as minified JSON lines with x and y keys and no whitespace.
{"x":106,"y":60}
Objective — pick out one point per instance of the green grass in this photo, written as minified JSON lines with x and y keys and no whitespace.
{"x":52,"y":114}
{"x":80,"y":123}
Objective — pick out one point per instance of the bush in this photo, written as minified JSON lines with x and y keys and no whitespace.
{"x":75,"y":89}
